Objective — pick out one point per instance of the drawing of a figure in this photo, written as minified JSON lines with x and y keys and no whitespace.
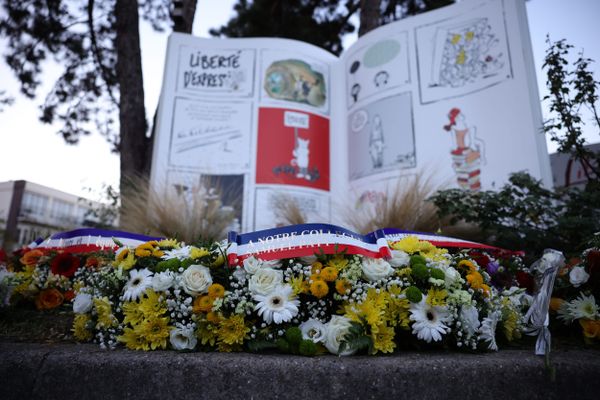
{"x":376,"y":142}
{"x":467,"y":151}
{"x":301,"y":157}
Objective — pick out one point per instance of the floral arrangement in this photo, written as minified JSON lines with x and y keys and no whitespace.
{"x":165,"y":294}
{"x":576,"y":289}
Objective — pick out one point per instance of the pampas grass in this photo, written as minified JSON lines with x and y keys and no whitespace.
{"x":196,"y":213}
{"x":287,"y":211}
{"x":404,"y":206}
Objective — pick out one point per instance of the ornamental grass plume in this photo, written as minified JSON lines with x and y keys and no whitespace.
{"x":188,"y":214}
{"x":287,"y":210}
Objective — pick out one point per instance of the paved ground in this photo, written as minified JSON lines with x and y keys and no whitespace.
{"x":65,"y":371}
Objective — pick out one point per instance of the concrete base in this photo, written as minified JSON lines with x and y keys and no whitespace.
{"x":69,"y":371}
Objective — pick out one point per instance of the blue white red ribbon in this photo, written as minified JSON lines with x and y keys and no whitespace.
{"x":305,"y":240}
{"x":91,"y":239}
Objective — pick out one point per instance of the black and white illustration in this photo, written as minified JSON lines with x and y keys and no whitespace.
{"x":463,"y":54}
{"x":381,"y":137}
{"x":316,"y":207}
{"x":289,"y":78}
{"x":376,"y":67}
{"x":210,"y":136}
{"x":216,"y":71}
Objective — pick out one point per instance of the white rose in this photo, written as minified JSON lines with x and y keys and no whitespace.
{"x":162,"y":281}
{"x":451,"y":277}
{"x":313,"y":330}
{"x":271,"y":263}
{"x":337,"y":328}
{"x":252,"y":265}
{"x":82,"y":303}
{"x":375,"y":269}
{"x":196,"y":279}
{"x":578,"y":276}
{"x":399,"y":258}
{"x":183,"y":338}
{"x":265,"y":280}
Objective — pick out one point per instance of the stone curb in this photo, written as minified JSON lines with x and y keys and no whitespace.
{"x":69,"y":371}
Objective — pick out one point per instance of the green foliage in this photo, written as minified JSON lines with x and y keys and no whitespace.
{"x":293,"y":335}
{"x":356,"y":339}
{"x":413,"y":294}
{"x":307,"y":348}
{"x":172,"y":264}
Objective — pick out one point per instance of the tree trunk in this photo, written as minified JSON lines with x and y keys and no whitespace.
{"x":369,"y":15}
{"x":134,"y":145}
{"x":183,"y":15}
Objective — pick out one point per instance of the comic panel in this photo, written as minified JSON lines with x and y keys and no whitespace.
{"x":463,"y":54}
{"x":293,"y":148}
{"x":377,"y":67}
{"x":228,"y":190}
{"x":202,"y":70}
{"x":270,"y":205}
{"x":289,"y":78}
{"x":381,"y":137}
{"x":211,"y":136}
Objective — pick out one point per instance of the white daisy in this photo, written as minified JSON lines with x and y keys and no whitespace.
{"x":469,"y":317}
{"x":277,"y":306}
{"x":181,"y":253}
{"x":487,"y":331}
{"x":583,"y":307}
{"x":138,"y":282}
{"x":429,"y":321}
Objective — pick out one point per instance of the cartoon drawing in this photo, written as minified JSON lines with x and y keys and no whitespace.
{"x":381,"y":78}
{"x":376,"y":143}
{"x":295,"y":80}
{"x":464,"y":53}
{"x":355,"y":91}
{"x":468,"y":151}
{"x":300,"y":159}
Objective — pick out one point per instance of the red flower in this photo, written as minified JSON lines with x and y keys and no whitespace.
{"x":525,"y":281}
{"x":69,"y":295}
{"x":481,"y":259}
{"x":64,"y":264}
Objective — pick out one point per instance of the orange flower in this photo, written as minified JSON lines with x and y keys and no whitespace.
{"x":213,"y":317}
{"x":342,"y":286}
{"x":555,"y":303}
{"x":467,"y":264}
{"x":216,"y":291}
{"x":591,"y":329}
{"x":329,"y":274}
{"x":316,"y":266}
{"x":202,"y":304}
{"x":31,"y":257}
{"x":319,"y":289}
{"x":49,"y":298}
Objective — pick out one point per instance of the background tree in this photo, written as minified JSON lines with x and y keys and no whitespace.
{"x":97,"y":44}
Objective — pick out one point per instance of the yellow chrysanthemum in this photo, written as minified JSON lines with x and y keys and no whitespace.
{"x":299,"y":285}
{"x":510,"y":323}
{"x":132,"y":313}
{"x":168,"y":244}
{"x":213,"y":317}
{"x":158,"y":253}
{"x":319,"y":288}
{"x":219,"y":261}
{"x":134,"y":339}
{"x":196,"y":252}
{"x":80,"y":331}
{"x":406,"y":271}
{"x":342,"y":286}
{"x":207,"y":333}
{"x":232,"y":330}
{"x":106,"y":319}
{"x":151,"y":304}
{"x":156,"y":332}
{"x":383,"y":339}
{"x":145,"y":249}
{"x":125,"y":260}
{"x":411,"y":244}
{"x":436,"y":297}
{"x":372,"y":309}
{"x":338,"y":262}
{"x":468,"y":264}
{"x":316,"y":267}
{"x":329,"y":274}
{"x":216,"y":290}
{"x":202,"y":304}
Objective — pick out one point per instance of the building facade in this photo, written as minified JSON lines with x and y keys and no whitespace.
{"x":29,"y":211}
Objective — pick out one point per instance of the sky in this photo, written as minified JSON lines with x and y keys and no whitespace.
{"x":34,"y":151}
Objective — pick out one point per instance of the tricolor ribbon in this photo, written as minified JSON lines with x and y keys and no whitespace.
{"x":91,"y":239}
{"x":305,"y":240}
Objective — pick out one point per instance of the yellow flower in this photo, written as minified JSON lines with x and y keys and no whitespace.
{"x":196,"y":252}
{"x":467,"y":264}
{"x":436,"y":297}
{"x":134,"y":339}
{"x":510,"y":323}
{"x":168,"y":244}
{"x":133,"y":315}
{"x":342,"y":286}
{"x":151,"y":305}
{"x":338,"y":262}
{"x":316,"y":277}
{"x":145,"y":249}
{"x":316,"y":268}
{"x":372,"y":309}
{"x":219,"y":261}
{"x":555,"y":303}
{"x":319,"y":288}
{"x":216,"y":291}
{"x":329,"y":274}
{"x":207,"y":333}
{"x":158,"y":253}
{"x":591,"y":328}
{"x":202,"y":304}
{"x":406,"y":271}
{"x":232,"y":330}
{"x":213,"y":317}
{"x":409,"y":244}
{"x":383,"y":339}
{"x":125,"y":259}
{"x":106,"y":319}
{"x":299,"y":285}
{"x":79,"y":329}
{"x":156,"y":332}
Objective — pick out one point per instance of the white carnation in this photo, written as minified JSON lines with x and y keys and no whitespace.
{"x":162,"y":281}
